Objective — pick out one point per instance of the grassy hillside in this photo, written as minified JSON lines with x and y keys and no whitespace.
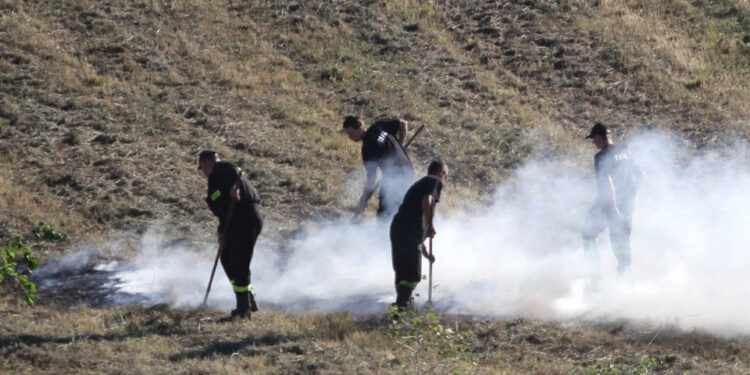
{"x":105,"y":104}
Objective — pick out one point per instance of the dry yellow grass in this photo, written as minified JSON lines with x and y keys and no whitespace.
{"x":267,"y":85}
{"x":690,"y":56}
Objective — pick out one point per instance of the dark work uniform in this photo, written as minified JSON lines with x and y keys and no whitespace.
{"x":408,"y":232}
{"x":244,"y":227}
{"x":380,"y":149}
{"x":390,"y":126}
{"x":613,"y":161}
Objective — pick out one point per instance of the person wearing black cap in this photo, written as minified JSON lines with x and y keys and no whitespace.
{"x":411,"y":226}
{"x":381,"y":149}
{"x":233,"y":199}
{"x":617,"y":179}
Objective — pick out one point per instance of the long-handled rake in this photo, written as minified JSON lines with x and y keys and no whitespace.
{"x":429,"y":281}
{"x":230,"y":215}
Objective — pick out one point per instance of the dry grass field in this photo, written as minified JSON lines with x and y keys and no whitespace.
{"x":159,"y":340}
{"x":105,"y":104}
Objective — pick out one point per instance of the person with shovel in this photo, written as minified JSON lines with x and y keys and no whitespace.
{"x":382,"y":149}
{"x":233,"y":199}
{"x":411,"y":225}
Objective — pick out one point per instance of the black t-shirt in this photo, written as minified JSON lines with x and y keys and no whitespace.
{"x":223,"y":177}
{"x":409,"y":219}
{"x":613,"y":161}
{"x":390,"y":126}
{"x":382,"y":150}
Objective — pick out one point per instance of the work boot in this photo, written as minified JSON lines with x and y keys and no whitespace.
{"x":242,"y":310}
{"x":253,"y":304}
{"x":408,"y":308}
{"x":243,"y":302}
{"x":403,"y":297}
{"x":411,"y":306}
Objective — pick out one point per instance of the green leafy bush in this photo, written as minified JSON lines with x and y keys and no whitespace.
{"x":44,"y":231}
{"x":16,"y":254}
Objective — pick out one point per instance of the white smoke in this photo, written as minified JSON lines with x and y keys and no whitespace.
{"x":520,"y":257}
{"x":177,"y":275}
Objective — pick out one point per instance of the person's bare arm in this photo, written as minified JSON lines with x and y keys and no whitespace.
{"x":367,"y":191}
{"x":428,"y":209}
{"x":234,"y":191}
{"x":427,"y":255}
{"x":403,"y":127}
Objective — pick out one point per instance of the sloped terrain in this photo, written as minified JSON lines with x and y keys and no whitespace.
{"x":105,"y":105}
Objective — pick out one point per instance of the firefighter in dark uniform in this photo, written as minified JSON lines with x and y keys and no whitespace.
{"x":410,"y":227}
{"x":382,"y":148}
{"x":617,"y":179}
{"x":228,"y":186}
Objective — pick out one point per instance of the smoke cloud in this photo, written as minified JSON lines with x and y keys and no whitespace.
{"x":520,"y":257}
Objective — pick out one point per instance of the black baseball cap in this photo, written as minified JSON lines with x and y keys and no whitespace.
{"x":204,"y":155}
{"x":598,"y":129}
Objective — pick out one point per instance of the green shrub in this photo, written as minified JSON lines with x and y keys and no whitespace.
{"x":44,"y":231}
{"x":16,"y":254}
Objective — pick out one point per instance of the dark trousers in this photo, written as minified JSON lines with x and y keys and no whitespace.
{"x":600,"y":218}
{"x":407,"y":264}
{"x":238,"y":252}
{"x":381,"y":205}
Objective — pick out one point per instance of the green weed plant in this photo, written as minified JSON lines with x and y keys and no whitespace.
{"x":44,"y":231}
{"x":419,"y":333}
{"x":13,"y":257}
